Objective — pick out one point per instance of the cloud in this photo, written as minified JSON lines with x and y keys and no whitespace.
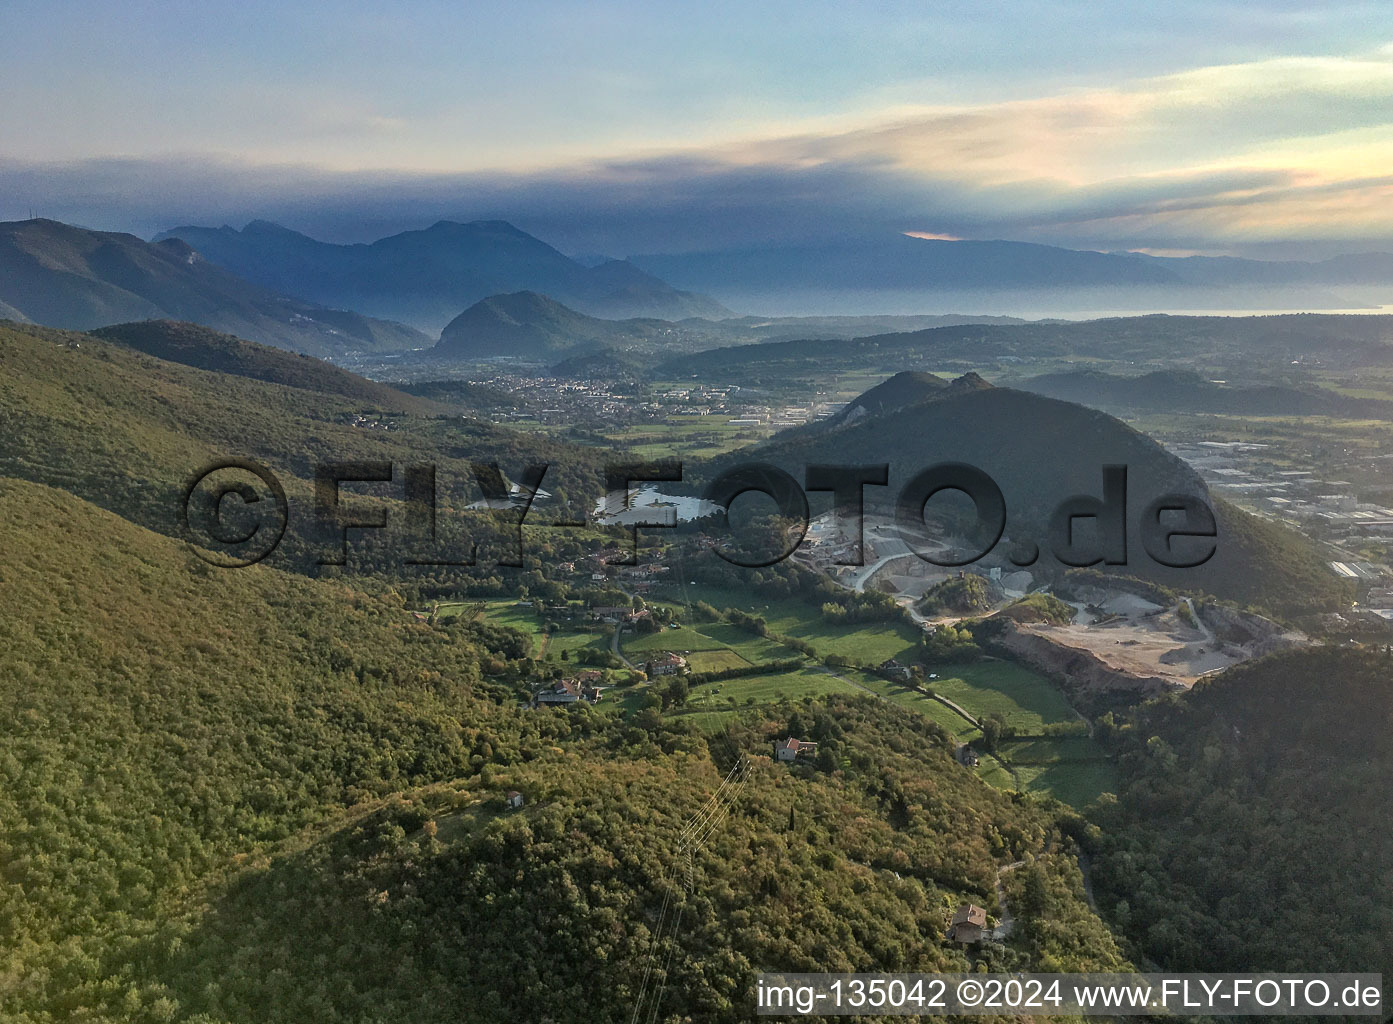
{"x":1215,"y":158}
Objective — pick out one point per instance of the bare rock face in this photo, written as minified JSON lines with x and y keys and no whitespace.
{"x":1086,"y":679}
{"x":1254,"y":633}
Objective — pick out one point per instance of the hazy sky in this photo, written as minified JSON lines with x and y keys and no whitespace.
{"x":1230,"y":127}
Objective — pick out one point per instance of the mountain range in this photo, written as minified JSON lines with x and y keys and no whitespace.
{"x":427,"y":277}
{"x":900,"y":272}
{"x":533,"y":326}
{"x":65,"y":276}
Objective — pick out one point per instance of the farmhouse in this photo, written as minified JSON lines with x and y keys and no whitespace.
{"x":513,"y":800}
{"x":791,"y":749}
{"x":563,"y":691}
{"x":969,"y":924}
{"x":585,"y":686}
{"x":892,"y":669}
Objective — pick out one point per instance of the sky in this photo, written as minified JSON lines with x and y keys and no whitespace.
{"x":1219,"y":127}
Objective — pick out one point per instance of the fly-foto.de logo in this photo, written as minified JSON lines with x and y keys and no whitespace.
{"x":235,"y":513}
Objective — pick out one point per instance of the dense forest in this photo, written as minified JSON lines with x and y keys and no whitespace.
{"x":1251,"y":829}
{"x":277,"y":793}
{"x":255,"y":796}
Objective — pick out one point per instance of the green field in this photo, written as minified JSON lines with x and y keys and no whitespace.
{"x":570,"y":637}
{"x":715,"y":661}
{"x":683,"y":638}
{"x":1027,"y":700}
{"x":768,"y":689}
{"x":868,"y":642}
{"x":1072,"y":768}
{"x":686,"y":437}
{"x":708,"y":647}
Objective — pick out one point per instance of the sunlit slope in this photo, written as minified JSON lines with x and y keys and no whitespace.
{"x":158,"y":717}
{"x":164,"y":725}
{"x":128,"y":431}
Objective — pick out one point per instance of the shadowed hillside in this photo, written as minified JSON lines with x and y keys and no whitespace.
{"x":1251,"y":830}
{"x":206,"y":349}
{"x":65,"y":276}
{"x":1041,"y":451}
{"x":426,"y":277}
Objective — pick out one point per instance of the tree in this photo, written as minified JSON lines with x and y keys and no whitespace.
{"x":677,"y":692}
{"x":994,"y":730}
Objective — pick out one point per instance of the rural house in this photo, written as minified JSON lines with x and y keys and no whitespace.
{"x":969,"y":924}
{"x":666,"y":664}
{"x":791,"y":749}
{"x":892,"y":669}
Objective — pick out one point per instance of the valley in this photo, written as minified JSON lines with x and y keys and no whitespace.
{"x":602,"y":514}
{"x":957,"y":725}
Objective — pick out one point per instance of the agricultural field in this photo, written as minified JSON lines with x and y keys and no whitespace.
{"x":866,"y":642}
{"x":767,"y":689}
{"x":569,"y":637}
{"x":686,"y":437}
{"x":684,"y":638}
{"x":1026,"y":700}
{"x":708,"y":646}
{"x":1071,"y":767}
{"x":716,"y":661}
{"x":905,"y":696}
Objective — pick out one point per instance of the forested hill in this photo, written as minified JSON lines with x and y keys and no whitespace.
{"x":1040,"y":452}
{"x":207,"y":349}
{"x":527,"y":325}
{"x":250,"y":796}
{"x":128,"y":431}
{"x":1251,"y":831}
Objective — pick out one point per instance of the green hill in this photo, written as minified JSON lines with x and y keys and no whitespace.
{"x":150,"y":736}
{"x":65,"y":276}
{"x":127,"y":431}
{"x":206,"y":349}
{"x":601,"y":364}
{"x":1251,"y":831}
{"x":200,"y":819}
{"x":903,"y":389}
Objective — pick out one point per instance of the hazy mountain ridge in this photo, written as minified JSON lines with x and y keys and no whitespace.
{"x":70,"y":277}
{"x":427,"y":277}
{"x":1187,"y":391}
{"x":904,"y":266}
